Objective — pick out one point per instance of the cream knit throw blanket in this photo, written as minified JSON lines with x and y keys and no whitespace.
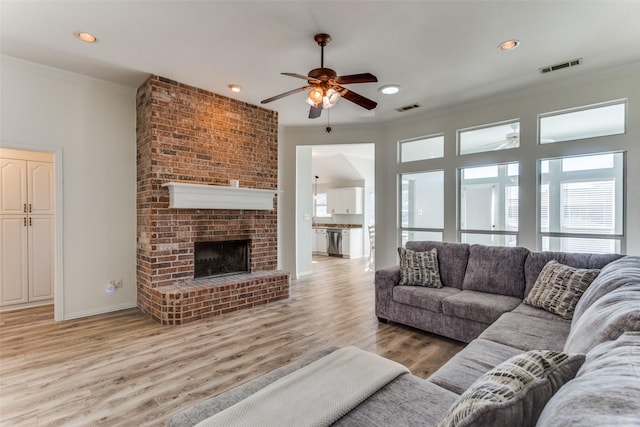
{"x":315,"y":395}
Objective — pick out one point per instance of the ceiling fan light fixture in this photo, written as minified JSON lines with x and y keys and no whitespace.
{"x":316,"y":95}
{"x":509,"y":45}
{"x":331,"y":98}
{"x":389,"y":89}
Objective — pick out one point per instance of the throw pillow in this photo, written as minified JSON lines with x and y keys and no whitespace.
{"x":559,"y":287}
{"x":514,"y":392}
{"x":419,"y":268}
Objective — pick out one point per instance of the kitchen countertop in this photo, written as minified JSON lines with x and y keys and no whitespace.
{"x":335,"y":226}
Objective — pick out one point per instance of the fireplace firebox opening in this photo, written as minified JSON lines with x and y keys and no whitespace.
{"x":220,"y":258}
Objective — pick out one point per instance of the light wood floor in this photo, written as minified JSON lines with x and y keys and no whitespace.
{"x":123,"y":369}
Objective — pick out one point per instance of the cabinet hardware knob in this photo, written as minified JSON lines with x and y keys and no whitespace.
{"x":25,"y":221}
{"x":24,"y":208}
{"x":29,"y":207}
{"x":29,"y":220}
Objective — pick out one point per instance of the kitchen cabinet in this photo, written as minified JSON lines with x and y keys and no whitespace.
{"x":320,"y":241}
{"x":352,"y":243}
{"x":26,"y":231}
{"x":345,"y":200}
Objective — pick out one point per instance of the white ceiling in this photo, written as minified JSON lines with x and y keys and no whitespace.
{"x":442,"y":53}
{"x":343,"y":163}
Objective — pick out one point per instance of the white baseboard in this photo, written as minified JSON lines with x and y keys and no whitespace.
{"x":303,"y":273}
{"x":25,"y":305}
{"x":102,"y":310}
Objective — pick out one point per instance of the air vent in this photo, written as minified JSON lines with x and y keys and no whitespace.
{"x":407,"y":108}
{"x":556,"y":67}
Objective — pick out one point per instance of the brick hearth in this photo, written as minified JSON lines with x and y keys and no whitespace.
{"x":186,"y":134}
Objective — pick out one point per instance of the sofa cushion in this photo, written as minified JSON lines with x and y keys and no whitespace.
{"x":606,"y":319}
{"x":606,"y":390}
{"x":527,"y":310}
{"x":515,"y":392}
{"x":476,"y":359}
{"x":612,"y":276}
{"x":406,"y":401}
{"x":495,"y":269}
{"x":419,"y":268}
{"x":423,"y":297}
{"x":478,"y":306}
{"x":537,"y":260}
{"x":528,"y":332}
{"x":452,"y":260}
{"x":559,"y":287}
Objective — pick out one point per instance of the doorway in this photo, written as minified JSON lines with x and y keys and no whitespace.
{"x":341,"y":202}
{"x":29,"y":224}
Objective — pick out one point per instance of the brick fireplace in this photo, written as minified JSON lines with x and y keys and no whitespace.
{"x":188,"y":135}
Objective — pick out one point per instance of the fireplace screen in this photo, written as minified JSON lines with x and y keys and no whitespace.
{"x":219,"y":258}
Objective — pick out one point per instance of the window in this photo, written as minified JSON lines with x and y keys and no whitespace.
{"x":489,"y":203}
{"x":421,"y":206}
{"x":321,"y":205}
{"x":581,"y":203}
{"x":585,"y":122}
{"x":429,"y":147}
{"x":499,"y":136}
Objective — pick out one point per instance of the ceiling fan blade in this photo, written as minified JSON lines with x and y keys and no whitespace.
{"x":314,"y":112}
{"x":300,"y":76}
{"x":359,"y":99}
{"x":282,"y":95}
{"x":356,"y":78}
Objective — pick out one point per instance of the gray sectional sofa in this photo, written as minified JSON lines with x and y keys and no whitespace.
{"x":481,"y":303}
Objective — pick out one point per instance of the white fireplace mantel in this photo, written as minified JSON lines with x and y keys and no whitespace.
{"x":201,"y":196}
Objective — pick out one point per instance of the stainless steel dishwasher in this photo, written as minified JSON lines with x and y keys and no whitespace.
{"x":334,"y":242}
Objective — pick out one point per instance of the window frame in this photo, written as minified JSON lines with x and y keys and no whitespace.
{"x":621,"y":101}
{"x":515,"y":120}
{"x":462,"y":231}
{"x":599,"y":236}
{"x":316,"y":204}
{"x":401,"y":229}
{"x":416,"y":139}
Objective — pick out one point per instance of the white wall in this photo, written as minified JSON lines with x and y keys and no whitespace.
{"x":304,"y":212}
{"x":525,"y":105}
{"x":92,"y":123}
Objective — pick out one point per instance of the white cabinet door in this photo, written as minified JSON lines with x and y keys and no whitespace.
{"x":314,"y":241}
{"x":352,"y":200}
{"x":14,"y":275}
{"x":40,"y":188}
{"x":352,"y":245}
{"x":13,"y":187}
{"x":345,"y":200}
{"x":334,"y":201}
{"x":321,"y":240}
{"x":40,"y":257}
{"x":346,"y":244}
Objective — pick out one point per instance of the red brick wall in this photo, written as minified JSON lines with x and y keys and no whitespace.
{"x":186,"y":134}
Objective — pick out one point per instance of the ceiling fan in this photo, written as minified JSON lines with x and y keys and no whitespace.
{"x":511,"y":140}
{"x":325,"y":86}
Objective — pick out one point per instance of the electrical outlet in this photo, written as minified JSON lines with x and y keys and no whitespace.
{"x":118,"y":283}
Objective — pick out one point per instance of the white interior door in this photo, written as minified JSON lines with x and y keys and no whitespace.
{"x":14,"y":279}
{"x":40,"y":257}
{"x":13,"y":187}
{"x":40,"y":188}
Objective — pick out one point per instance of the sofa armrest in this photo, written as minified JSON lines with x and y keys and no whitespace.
{"x":385,"y":280}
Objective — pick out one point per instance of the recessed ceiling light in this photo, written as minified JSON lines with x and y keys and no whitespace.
{"x":389,"y":89}
{"x":85,"y":37}
{"x":508,"y":45}
{"x":234,"y":88}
